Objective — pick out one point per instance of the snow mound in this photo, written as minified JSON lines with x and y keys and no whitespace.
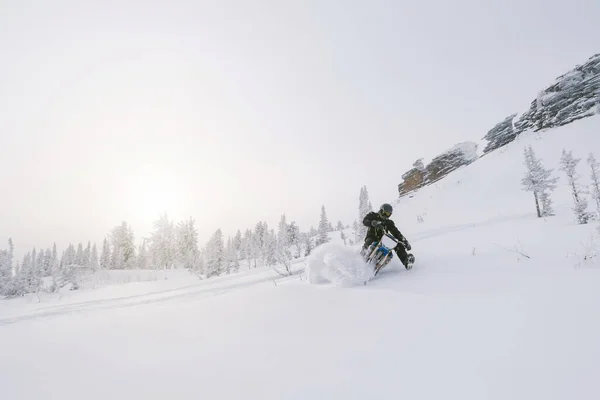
{"x":337,"y":264}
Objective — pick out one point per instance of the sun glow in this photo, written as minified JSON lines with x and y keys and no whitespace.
{"x":152,"y":191}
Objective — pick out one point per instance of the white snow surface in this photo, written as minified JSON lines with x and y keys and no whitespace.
{"x":499,"y":305}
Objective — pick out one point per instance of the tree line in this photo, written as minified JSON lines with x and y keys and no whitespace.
{"x":169,"y":245}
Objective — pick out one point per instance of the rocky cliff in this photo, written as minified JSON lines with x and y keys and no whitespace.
{"x":572,"y":96}
{"x":461,"y":154}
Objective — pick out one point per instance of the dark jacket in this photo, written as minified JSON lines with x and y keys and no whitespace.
{"x":388,"y":224}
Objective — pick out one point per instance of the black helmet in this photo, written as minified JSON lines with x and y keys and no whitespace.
{"x":385,"y":210}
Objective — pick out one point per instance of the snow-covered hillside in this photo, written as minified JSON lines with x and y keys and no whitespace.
{"x":490,"y":188}
{"x":500,"y":305}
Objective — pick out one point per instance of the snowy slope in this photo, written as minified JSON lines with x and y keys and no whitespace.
{"x":500,"y":305}
{"x":490,"y":188}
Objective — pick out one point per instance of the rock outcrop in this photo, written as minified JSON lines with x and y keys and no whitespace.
{"x":572,"y":96}
{"x":461,"y":154}
{"x":500,"y":135}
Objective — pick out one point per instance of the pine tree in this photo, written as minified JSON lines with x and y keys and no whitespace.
{"x":123,"y":246}
{"x":20,"y":284}
{"x":259,"y":243}
{"x":364,"y":207}
{"x":270,"y":250}
{"x":339,"y":226}
{"x":143,"y":258}
{"x":247,"y":246}
{"x":54,"y":269}
{"x":94,"y":259}
{"x":282,"y":231}
{"x":87,"y":256}
{"x":67,"y":270}
{"x":323,"y":228}
{"x":215,"y":255}
{"x":293,"y":238}
{"x":201,"y":265}
{"x":237,"y":243}
{"x":35,"y":274}
{"x":232,"y":264}
{"x":79,"y":256}
{"x":538,"y":180}
{"x":105,"y":256}
{"x":55,"y":260}
{"x":343,"y":236}
{"x":307,"y":245}
{"x":187,"y":244}
{"x":41,"y":263}
{"x":162,"y":243}
{"x":6,"y":269}
{"x":569,"y":167}
{"x":595,"y":168}
{"x":47,"y":263}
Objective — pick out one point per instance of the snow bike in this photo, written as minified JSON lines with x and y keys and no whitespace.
{"x":378,"y":255}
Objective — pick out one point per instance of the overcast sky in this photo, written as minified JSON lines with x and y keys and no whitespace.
{"x":237,"y":111}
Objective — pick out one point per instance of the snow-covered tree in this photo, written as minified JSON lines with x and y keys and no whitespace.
{"x":569,"y":167}
{"x":6,"y":269}
{"x":364,"y":207}
{"x":20,"y":283}
{"x":270,"y":250}
{"x":282,"y":253}
{"x":55,"y":260}
{"x":187,"y":244}
{"x":46,"y":265}
{"x":232,"y":260}
{"x":308,"y":247}
{"x":79,"y":258}
{"x":323,"y":228}
{"x":32,"y":281}
{"x":538,"y":180}
{"x":343,"y":236}
{"x":201,"y":264}
{"x":105,"y":255}
{"x":123,"y":246}
{"x":215,"y":255}
{"x":293,"y":238}
{"x":54,"y":269}
{"x":41,"y":263}
{"x":162,"y":243}
{"x":237,"y":242}
{"x":67,"y":272}
{"x":282,"y":228}
{"x":143,"y":258}
{"x":246,"y":251}
{"x":595,"y":175}
{"x":87,"y":256}
{"x":339,"y":226}
{"x":94,"y":265}
{"x":259,"y":243}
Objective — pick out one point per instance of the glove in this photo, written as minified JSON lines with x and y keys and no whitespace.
{"x":407,"y":245}
{"x":375,"y":223}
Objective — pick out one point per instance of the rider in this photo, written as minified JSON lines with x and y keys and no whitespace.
{"x":378,"y":223}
